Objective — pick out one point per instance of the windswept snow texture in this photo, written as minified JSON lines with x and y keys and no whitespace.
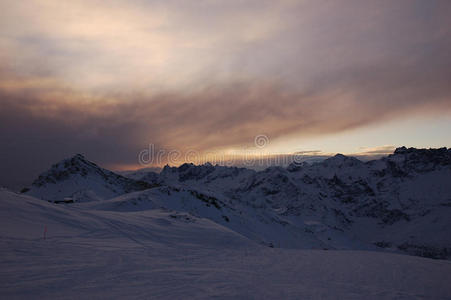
{"x":116,"y":249}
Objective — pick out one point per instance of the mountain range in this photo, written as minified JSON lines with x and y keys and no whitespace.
{"x":400,"y":203}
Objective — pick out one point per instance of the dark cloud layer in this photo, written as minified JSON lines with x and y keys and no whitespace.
{"x":291,"y":68}
{"x":37,"y":129}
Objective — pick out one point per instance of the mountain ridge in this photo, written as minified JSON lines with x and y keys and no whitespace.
{"x":398,"y":203}
{"x":71,"y":177}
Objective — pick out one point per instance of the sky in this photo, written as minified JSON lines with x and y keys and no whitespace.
{"x":109,"y":78}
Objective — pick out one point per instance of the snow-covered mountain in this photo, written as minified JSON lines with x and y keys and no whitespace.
{"x":400,"y":203}
{"x":82,"y":181}
{"x":145,"y":174}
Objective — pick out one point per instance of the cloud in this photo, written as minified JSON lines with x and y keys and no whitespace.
{"x":40,"y":122}
{"x":380,"y":150}
{"x":215,"y":117}
{"x":107,"y":80}
{"x":160,"y":45}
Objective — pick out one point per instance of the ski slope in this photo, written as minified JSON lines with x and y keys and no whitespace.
{"x":90,"y":252}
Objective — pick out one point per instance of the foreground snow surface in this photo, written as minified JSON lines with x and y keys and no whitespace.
{"x":156,"y":253}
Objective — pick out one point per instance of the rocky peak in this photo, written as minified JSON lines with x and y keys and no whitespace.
{"x":189,"y":171}
{"x":341,"y":160}
{"x":80,"y":178}
{"x":420,"y":159}
{"x":77,"y":164}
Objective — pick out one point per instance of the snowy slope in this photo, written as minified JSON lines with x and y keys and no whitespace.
{"x":81,"y":180}
{"x":262,"y":226}
{"x":26,"y":217}
{"x":157,"y":253}
{"x":145,"y":174}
